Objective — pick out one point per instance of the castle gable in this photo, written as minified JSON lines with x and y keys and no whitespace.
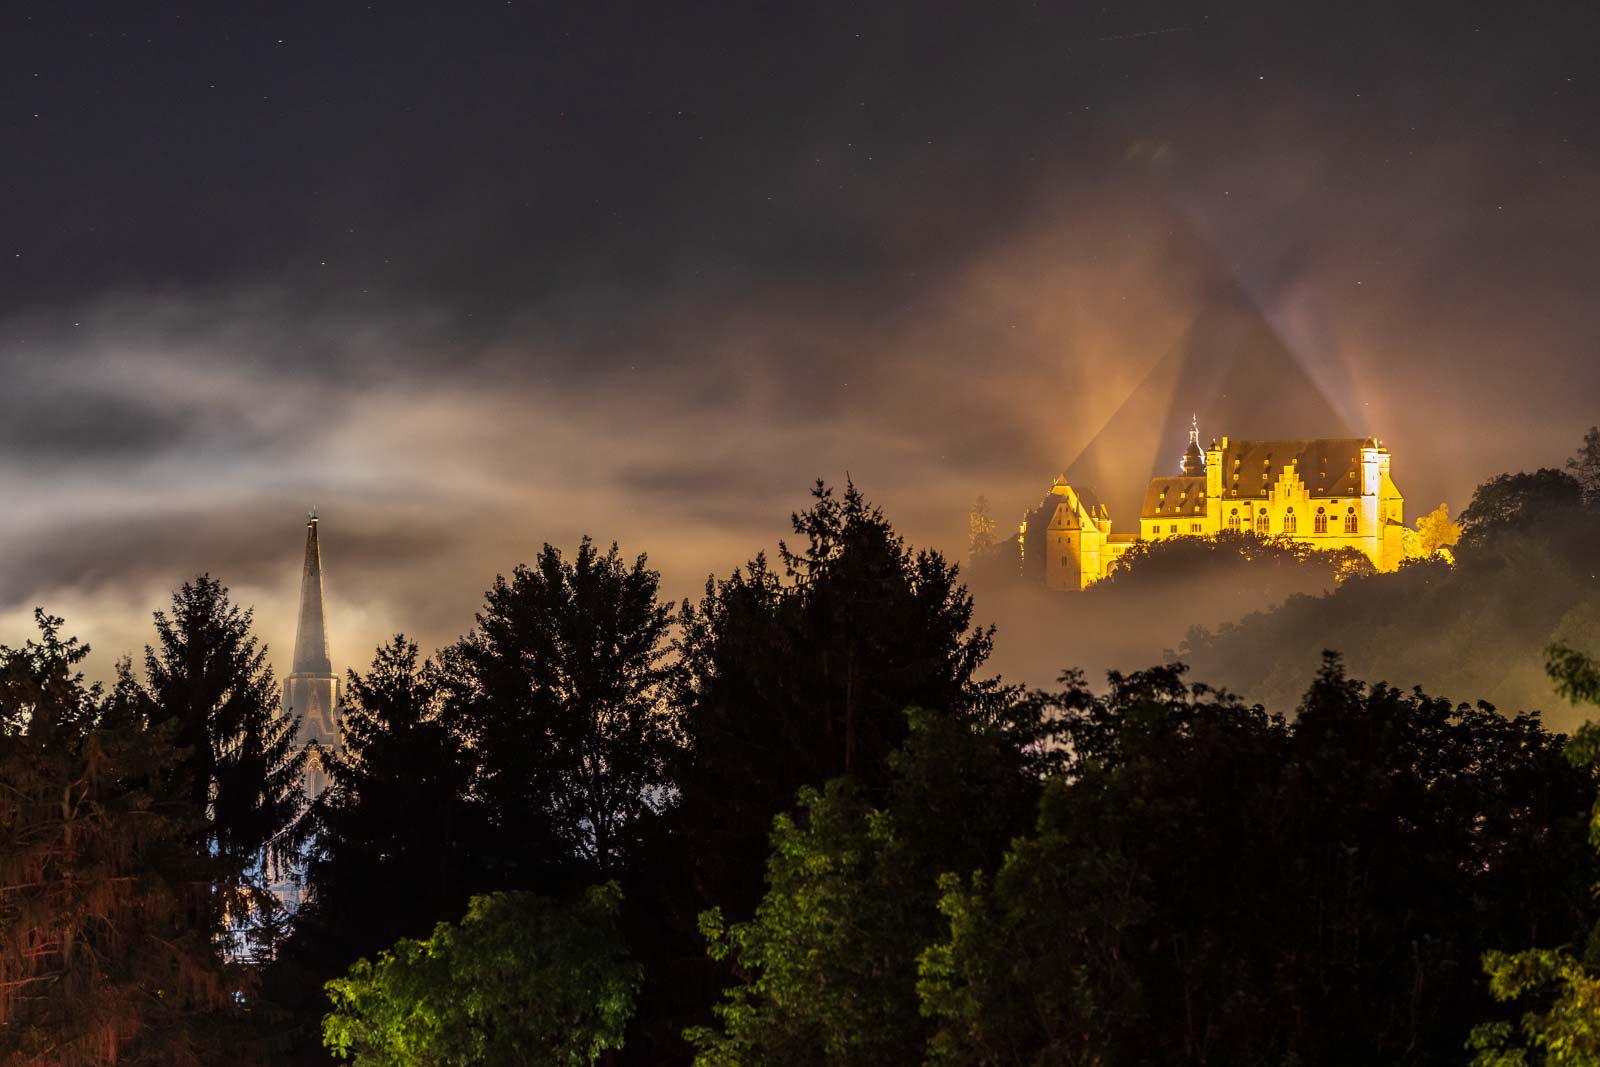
{"x":1328,"y":466}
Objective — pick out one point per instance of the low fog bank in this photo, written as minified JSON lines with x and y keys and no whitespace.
{"x":1141,"y":618}
{"x":1256,"y":618}
{"x":1474,"y":631}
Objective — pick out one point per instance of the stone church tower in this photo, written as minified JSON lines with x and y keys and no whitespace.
{"x":311,"y":689}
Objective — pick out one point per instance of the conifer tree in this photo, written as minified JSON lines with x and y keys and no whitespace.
{"x":396,"y":812}
{"x":797,"y":678}
{"x":107,"y":946}
{"x":207,"y":675}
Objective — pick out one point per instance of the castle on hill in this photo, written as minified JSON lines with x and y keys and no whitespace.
{"x":1327,"y":493}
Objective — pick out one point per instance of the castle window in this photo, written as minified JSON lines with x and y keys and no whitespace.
{"x":1233,"y":520}
{"x":1349,"y":520}
{"x":1194,"y":527}
{"x":1321,"y":522}
{"x":1261,"y":522}
{"x":1173,"y":528}
{"x":1289,"y":521}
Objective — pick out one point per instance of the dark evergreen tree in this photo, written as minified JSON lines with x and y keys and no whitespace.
{"x":207,"y":677}
{"x":796,"y":679}
{"x":393,"y":842}
{"x":560,"y":690}
{"x":108,"y":928}
{"x":208,"y":674}
{"x":394,"y":829}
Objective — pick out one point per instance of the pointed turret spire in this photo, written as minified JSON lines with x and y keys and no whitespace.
{"x":311,"y":636}
{"x":1194,"y":461}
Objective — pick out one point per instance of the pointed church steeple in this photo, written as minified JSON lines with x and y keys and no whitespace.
{"x":311,"y":636}
{"x":311,"y":689}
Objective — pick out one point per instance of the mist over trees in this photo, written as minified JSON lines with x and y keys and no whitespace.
{"x":799,"y":821}
{"x":1523,"y":578}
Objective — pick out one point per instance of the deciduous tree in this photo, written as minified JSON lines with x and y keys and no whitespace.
{"x":1585,"y":466}
{"x":523,"y":981}
{"x":560,"y":689}
{"x":1211,"y":884}
{"x":828,"y":963}
{"x":1564,"y":1031}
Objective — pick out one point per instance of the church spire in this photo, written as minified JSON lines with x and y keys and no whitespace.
{"x":311,"y":636}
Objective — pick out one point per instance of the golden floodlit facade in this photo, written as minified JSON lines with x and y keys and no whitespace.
{"x":1328,"y":493}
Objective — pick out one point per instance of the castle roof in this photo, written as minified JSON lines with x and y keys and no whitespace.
{"x":1329,"y":466}
{"x":1182,"y":494}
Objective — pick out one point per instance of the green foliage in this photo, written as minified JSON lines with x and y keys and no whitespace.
{"x":108,"y":926}
{"x":1567,"y":1032}
{"x":1566,"y":1035}
{"x":822,"y":946}
{"x":829,"y":960}
{"x":1211,"y":884}
{"x":522,"y":981}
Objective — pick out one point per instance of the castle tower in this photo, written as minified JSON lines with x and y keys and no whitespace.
{"x":311,"y":689}
{"x":1194,"y":461}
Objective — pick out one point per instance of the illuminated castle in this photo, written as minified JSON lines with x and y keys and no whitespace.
{"x":311,"y":689}
{"x":1327,"y":493}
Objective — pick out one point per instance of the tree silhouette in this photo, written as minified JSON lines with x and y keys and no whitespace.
{"x":560,"y":689}
{"x":108,"y":928}
{"x":1509,"y":501}
{"x":1585,"y":466}
{"x":208,"y":677}
{"x":796,"y":679}
{"x":397,"y":811}
{"x":828,"y":963}
{"x":1213,"y":884}
{"x":1565,"y":1028}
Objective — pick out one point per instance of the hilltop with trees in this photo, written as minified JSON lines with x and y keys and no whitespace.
{"x":799,"y":822}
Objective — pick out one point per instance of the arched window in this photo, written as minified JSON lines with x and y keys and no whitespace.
{"x":1349,"y":520}
{"x":1233,"y":521}
{"x":1321,"y":522}
{"x":1288,"y":521}
{"x":1261,"y":522}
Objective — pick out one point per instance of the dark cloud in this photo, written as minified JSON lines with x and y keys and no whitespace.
{"x":472,"y":283}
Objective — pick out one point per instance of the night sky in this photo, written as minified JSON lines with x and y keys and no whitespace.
{"x":469,"y":278}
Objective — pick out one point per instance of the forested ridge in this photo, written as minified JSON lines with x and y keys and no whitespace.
{"x":796,"y":821}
